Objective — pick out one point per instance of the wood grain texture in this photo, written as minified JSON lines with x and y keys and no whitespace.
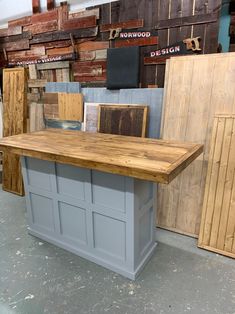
{"x":45,"y":17}
{"x":36,"y":119}
{"x":83,"y":22}
{"x":217,"y":230}
{"x":197,"y":87}
{"x":70,"y":106}
{"x":14,"y":122}
{"x":136,"y":42}
{"x":147,"y":159}
{"x":125,"y":120}
{"x":23,"y":21}
{"x":44,"y":27}
{"x":85,"y":13}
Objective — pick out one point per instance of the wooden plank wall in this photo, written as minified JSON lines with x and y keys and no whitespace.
{"x":14,"y":122}
{"x":58,"y":33}
{"x":217,"y":231}
{"x":154,"y":11}
{"x":196,"y":88}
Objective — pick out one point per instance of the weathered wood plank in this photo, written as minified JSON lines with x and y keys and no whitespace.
{"x":92,"y":45}
{"x":40,"y":28}
{"x":80,"y":23}
{"x":59,"y":51}
{"x":17,"y":45}
{"x":142,"y":158}
{"x":62,"y":14}
{"x":187,"y":20}
{"x":15,"y":38}
{"x":136,"y":42}
{"x":23,"y":21}
{"x":85,"y":13}
{"x":45,"y":17}
{"x":123,"y":25}
{"x":53,"y":65}
{"x":50,"y":5}
{"x":61,"y":35}
{"x":50,"y":98}
{"x":36,"y":6}
{"x":11,"y":31}
{"x":37,"y":83}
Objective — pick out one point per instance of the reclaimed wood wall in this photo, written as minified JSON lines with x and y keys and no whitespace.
{"x":59,"y":32}
{"x":154,"y":12}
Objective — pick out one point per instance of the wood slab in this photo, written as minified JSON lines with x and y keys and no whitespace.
{"x":70,"y":106}
{"x":142,"y":158}
{"x":217,"y":231}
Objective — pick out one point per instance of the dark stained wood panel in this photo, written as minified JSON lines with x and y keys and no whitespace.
{"x":50,"y":4}
{"x":123,"y":120}
{"x":124,"y":25}
{"x":61,"y":35}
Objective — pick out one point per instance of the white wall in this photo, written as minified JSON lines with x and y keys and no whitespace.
{"x":12,"y":9}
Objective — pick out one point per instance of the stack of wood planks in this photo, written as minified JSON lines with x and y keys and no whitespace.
{"x":217,"y":232}
{"x":196,"y":88}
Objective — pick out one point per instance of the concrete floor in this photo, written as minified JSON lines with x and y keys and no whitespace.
{"x":36,"y":277}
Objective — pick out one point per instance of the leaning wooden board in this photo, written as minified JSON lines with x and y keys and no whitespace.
{"x":147,"y":159}
{"x":217,"y":231}
{"x":196,"y":88}
{"x":70,"y":106}
{"x":14,"y":122}
{"x":126,"y":120}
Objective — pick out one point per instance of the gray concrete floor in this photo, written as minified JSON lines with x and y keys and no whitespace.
{"x":36,"y":277}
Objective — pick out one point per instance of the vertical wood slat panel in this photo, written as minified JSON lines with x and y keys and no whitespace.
{"x":217,"y":227}
{"x":208,"y":90}
{"x":14,"y":122}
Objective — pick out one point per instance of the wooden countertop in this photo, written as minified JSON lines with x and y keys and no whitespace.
{"x":147,"y":159}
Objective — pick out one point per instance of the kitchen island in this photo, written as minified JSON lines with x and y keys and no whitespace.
{"x":93,"y":194}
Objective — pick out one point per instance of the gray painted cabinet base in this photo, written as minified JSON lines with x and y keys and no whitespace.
{"x":105,"y":218}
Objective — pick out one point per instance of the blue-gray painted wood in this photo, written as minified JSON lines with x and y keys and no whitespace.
{"x":63,"y":124}
{"x":151,"y":97}
{"x":108,"y":219}
{"x":63,"y":87}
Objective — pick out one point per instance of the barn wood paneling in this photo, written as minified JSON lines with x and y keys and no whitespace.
{"x":154,"y":11}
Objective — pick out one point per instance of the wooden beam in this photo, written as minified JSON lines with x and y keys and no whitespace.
{"x":123,"y":25}
{"x":36,"y":6}
{"x":50,"y":5}
{"x":15,"y":38}
{"x":187,"y":21}
{"x":60,"y":35}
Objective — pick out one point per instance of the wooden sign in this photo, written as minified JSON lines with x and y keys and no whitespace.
{"x":187,"y":46}
{"x":33,"y":60}
{"x":131,"y":34}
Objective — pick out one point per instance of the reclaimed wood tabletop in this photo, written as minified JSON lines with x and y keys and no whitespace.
{"x":143,"y":158}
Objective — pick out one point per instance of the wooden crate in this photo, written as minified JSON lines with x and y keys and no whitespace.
{"x":217,"y":231}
